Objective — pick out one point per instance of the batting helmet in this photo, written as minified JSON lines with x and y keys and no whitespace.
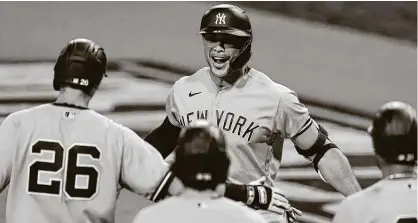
{"x":81,"y":64}
{"x":201,"y":161}
{"x":394,"y":133}
{"x":232,"y":20}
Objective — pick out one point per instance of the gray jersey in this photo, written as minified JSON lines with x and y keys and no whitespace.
{"x":64,"y":164}
{"x":253,"y":113}
{"x":198,"y":208}
{"x":387,"y":201}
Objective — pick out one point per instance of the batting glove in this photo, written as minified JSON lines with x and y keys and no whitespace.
{"x":268,"y":198}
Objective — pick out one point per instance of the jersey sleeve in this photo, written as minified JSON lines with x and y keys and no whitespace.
{"x":8,"y":146}
{"x":292,"y":116}
{"x":142,"y":165}
{"x":171,"y":108}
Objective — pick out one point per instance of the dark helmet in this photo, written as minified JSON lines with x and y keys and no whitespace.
{"x":81,"y":64}
{"x":232,"y":20}
{"x":394,"y":133}
{"x":201,"y":161}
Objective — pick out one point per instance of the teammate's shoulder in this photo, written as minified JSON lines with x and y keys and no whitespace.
{"x":193,"y":78}
{"x":247,"y":214}
{"x":145,"y":213}
{"x":30,"y":111}
{"x":110,"y":122}
{"x":152,"y":213}
{"x":364,"y":196}
{"x":104,"y":121}
{"x":243,"y":210}
{"x":37,"y":108}
{"x":167,"y":204}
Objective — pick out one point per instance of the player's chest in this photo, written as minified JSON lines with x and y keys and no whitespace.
{"x":248,"y":114}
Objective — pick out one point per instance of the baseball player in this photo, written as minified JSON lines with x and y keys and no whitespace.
{"x":256,"y":113}
{"x":201,"y":163}
{"x":66,"y":163}
{"x":394,"y":198}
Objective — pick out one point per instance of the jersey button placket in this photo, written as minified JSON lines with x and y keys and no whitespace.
{"x":218,"y":99}
{"x":216,"y":103}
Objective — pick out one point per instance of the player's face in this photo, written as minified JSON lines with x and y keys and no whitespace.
{"x":219,"y":49}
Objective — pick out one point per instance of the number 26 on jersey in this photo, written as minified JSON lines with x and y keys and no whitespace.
{"x":67,"y":161}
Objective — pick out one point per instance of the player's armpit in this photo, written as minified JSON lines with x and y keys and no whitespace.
{"x":164,"y":137}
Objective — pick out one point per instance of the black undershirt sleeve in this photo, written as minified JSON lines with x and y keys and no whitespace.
{"x":164,"y":137}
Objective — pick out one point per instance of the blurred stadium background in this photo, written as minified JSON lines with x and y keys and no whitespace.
{"x":344,"y":59}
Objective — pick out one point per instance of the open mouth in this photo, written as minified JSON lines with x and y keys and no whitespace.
{"x":219,"y":61}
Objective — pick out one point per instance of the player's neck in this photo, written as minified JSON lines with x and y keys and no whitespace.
{"x":73,"y":97}
{"x":393,"y":169}
{"x":190,"y":192}
{"x":230,"y":79}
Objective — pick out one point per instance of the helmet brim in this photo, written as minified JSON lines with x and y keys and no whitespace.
{"x":230,"y":31}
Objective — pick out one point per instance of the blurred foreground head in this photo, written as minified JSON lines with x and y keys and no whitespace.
{"x":201,"y":161}
{"x":394,"y":133}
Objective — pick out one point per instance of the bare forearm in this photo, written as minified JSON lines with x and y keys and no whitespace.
{"x":336,"y":170}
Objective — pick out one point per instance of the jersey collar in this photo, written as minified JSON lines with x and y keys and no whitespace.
{"x":238,"y":82}
{"x":194,"y":194}
{"x":69,"y":105}
{"x":401,"y":176}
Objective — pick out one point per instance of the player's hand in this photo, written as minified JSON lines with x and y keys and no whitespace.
{"x":268,"y":198}
{"x":291,"y":215}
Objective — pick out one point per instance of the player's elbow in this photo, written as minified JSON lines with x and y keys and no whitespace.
{"x":333,"y":157}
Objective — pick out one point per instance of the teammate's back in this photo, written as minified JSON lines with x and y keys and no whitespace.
{"x":387,"y":201}
{"x":190,"y":209}
{"x":201,"y":164}
{"x":63,"y":157}
{"x":392,"y":199}
{"x":66,"y":163}
{"x":402,"y":192}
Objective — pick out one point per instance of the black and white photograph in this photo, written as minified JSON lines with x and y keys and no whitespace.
{"x":208,"y":112}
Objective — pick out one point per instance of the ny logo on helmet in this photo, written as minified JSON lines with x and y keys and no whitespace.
{"x":220,"y":19}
